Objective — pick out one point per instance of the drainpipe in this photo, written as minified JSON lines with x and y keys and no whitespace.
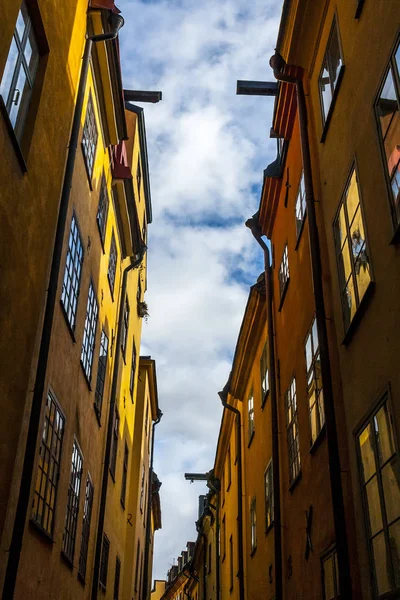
{"x":277,"y":63}
{"x":110,"y":423}
{"x":256,"y":231}
{"x":116,"y":22}
{"x":148,"y":516}
{"x":223,"y":395}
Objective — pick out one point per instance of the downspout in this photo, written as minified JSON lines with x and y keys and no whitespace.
{"x":40,"y":379}
{"x":256,"y":231}
{"x":223,"y":395}
{"x":277,"y":63}
{"x":148,"y":516}
{"x":110,"y":423}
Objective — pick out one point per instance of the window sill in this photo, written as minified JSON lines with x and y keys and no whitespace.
{"x":13,"y":137}
{"x":252,"y":553}
{"x":352,"y":328}
{"x":122,"y":503}
{"x":294,"y":483}
{"x":283,"y":295}
{"x":396,"y":234}
{"x":318,"y":440}
{"x":81,"y":579}
{"x":223,"y":558}
{"x":111,"y":288}
{"x":67,"y":560}
{"x":97,"y":413}
{"x":268,"y":529}
{"x":251,"y":439}
{"x":229,"y":486}
{"x":89,"y":175}
{"x":71,"y":331}
{"x":359,"y":9}
{"x":265,"y":398}
{"x":102,"y":242}
{"x":86,"y":377}
{"x":299,"y":235}
{"x":112,"y":475}
{"x":42,"y":532}
{"x":332,"y":106}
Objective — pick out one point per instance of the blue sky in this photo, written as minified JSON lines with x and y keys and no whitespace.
{"x":207,"y":151}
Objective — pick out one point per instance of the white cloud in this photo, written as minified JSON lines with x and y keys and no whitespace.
{"x":207,"y":149}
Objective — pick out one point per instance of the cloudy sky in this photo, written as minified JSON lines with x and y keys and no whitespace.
{"x":207,"y":150}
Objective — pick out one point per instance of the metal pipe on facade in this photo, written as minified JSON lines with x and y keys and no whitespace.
{"x":40,"y":379}
{"x":256,"y":231}
{"x":277,"y":63}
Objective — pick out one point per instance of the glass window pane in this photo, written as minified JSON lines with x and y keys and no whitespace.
{"x":22,"y":21}
{"x":363,"y":273}
{"x":397,"y":58}
{"x":9,"y":71}
{"x":326,"y":90}
{"x":367,"y":453}
{"x":381,"y":564}
{"x":391,"y":489}
{"x":21,"y":88}
{"x":31,"y":54}
{"x":394,"y":544}
{"x":308,"y":352}
{"x":374,"y":505}
{"x":334,"y":57}
{"x":329,"y":581}
{"x":349,"y":302}
{"x":352,"y":197}
{"x":384,"y":434}
{"x":387,"y":103}
{"x":357,"y":233}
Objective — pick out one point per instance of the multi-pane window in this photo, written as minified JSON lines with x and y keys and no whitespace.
{"x":292,"y":429}
{"x":125,"y":326}
{"x":133,"y":370}
{"x":102,"y":210}
{"x":379,"y":466}
{"x":20,"y":71}
{"x":101,"y":371}
{"x":72,"y":274}
{"x":124,"y":475}
{"x":330,"y":576}
{"x":89,"y":333}
{"x":105,"y":551}
{"x":89,"y":138}
{"x":253,"y":524}
{"x":351,"y":250}
{"x":330,"y":71}
{"x":114,"y":444}
{"x":87,"y":514}
{"x":314,"y":383}
{"x":387,"y":109}
{"x":71,"y":516}
{"x":301,"y":207}
{"x":284,"y":272}
{"x":117,"y":578}
{"x":269,"y":497}
{"x":264,"y":374}
{"x":250,"y":415}
{"x":112,"y":263}
{"x":45,"y":495}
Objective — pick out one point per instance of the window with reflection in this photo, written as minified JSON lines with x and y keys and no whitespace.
{"x":292,"y":431}
{"x":380,"y":479}
{"x":264,"y":373}
{"x":284,"y":273}
{"x":387,"y":110}
{"x":314,"y":383}
{"x":331,"y":67}
{"x":351,"y":250}
{"x":250,"y":415}
{"x":253,"y":524}
{"x":269,"y":497}
{"x":300,"y":208}
{"x":89,"y":333}
{"x":89,"y":138}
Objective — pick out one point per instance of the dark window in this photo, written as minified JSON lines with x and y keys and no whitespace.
{"x":264,"y":374}
{"x":89,"y":333}
{"x":142,"y":490}
{"x":138,"y":175}
{"x":223,"y":538}
{"x":102,"y":210}
{"x":89,"y":138}
{"x":20,"y":71}
{"x":133,"y":370}
{"x":330,"y":71}
{"x":114,"y":446}
{"x":269,"y":496}
{"x":284,"y":272}
{"x":292,"y":429}
{"x":229,"y":469}
{"x":45,"y":495}
{"x":250,"y":415}
{"x":253,"y":524}
{"x":351,"y":250}
{"x":379,"y":465}
{"x":71,"y":516}
{"x":72,"y":274}
{"x":112,"y":263}
{"x":137,"y":565}
{"x":300,"y":206}
{"x":330,"y":579}
{"x":314,"y":383}
{"x":387,"y":110}
{"x":125,"y":326}
{"x":117,"y":578}
{"x":124,"y":475}
{"x":87,"y":514}
{"x":101,"y":371}
{"x":105,"y":551}
{"x":230,"y":563}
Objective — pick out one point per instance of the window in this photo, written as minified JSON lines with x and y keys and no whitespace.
{"x":114,"y":446}
{"x":314,"y":383}
{"x":20,"y":71}
{"x":89,"y":333}
{"x":230,"y":563}
{"x":124,"y":475}
{"x":250,"y":415}
{"x":72,"y":274}
{"x":142,"y":490}
{"x":330,"y":576}
{"x":105,"y":551}
{"x":253,"y":524}
{"x":264,"y":373}
{"x":44,"y":499}
{"x":301,"y":207}
{"x":101,"y":371}
{"x":138,"y":175}
{"x":112,"y":263}
{"x":351,"y":250}
{"x":117,"y":578}
{"x":223,"y":538}
{"x":229,"y":469}
{"x":331,"y":70}
{"x":71,"y":516}
{"x":387,"y":110}
{"x":379,"y":466}
{"x":133,"y":370}
{"x":292,"y":430}
{"x":269,"y":497}
{"x":89,"y":138}
{"x":87,"y":514}
{"x":125,"y":326}
{"x":284,"y":273}
{"x":102,"y":210}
